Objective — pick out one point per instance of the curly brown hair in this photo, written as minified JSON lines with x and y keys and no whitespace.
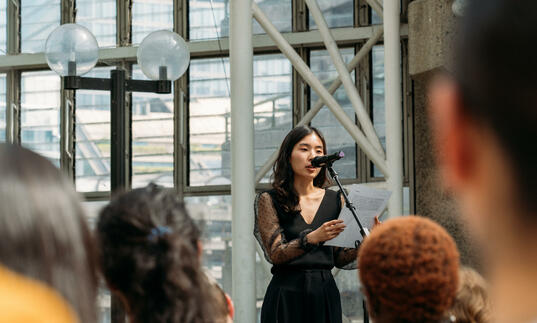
{"x":408,"y":267}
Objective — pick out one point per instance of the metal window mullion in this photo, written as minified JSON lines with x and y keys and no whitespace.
{"x":67,"y":107}
{"x":13,"y":25}
{"x":180,"y":107}
{"x":123,"y":23}
{"x":181,"y":135}
{"x":68,"y":8}
{"x":363,"y":81}
{"x":13,"y":104}
{"x":300,"y":16}
{"x":180,"y":17}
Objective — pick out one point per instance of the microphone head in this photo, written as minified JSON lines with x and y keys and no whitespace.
{"x":321,"y":161}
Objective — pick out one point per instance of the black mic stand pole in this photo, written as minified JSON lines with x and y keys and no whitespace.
{"x":363,"y":231}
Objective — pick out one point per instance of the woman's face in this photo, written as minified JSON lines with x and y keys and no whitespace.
{"x":303,"y":152}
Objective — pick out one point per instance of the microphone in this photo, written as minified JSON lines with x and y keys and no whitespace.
{"x":326,"y":160}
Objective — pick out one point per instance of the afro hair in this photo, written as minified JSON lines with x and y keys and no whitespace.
{"x":408,"y":267}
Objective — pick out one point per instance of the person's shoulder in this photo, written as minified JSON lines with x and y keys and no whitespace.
{"x":331,"y":193}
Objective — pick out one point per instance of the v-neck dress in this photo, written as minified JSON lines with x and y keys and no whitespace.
{"x":302,"y":288}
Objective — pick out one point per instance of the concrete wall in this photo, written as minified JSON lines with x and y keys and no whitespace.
{"x":431,"y":30}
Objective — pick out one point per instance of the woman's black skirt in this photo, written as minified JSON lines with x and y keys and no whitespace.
{"x":297,"y":296}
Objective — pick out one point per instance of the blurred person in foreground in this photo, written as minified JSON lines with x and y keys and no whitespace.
{"x":43,"y":228}
{"x":408,"y":268}
{"x":484,"y":121}
{"x":26,"y":300}
{"x":150,"y":256}
{"x":472,"y":303}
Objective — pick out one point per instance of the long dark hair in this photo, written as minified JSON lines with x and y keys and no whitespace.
{"x":43,"y":229}
{"x":283,"y":175}
{"x":149,"y":255}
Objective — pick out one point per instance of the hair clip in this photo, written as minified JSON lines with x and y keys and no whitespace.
{"x":159,"y":232}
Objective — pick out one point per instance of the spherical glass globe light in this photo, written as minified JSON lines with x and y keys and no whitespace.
{"x":71,"y":50}
{"x":163,"y":55}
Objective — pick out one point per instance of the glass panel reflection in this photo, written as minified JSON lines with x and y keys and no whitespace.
{"x":210,"y":122}
{"x":213,"y":214}
{"x":150,"y":15}
{"x":337,"y":13}
{"x":3,"y":25}
{"x":92,"y":133}
{"x":40,"y":114}
{"x":3,"y":115}
{"x":99,"y":16}
{"x":209,"y":19}
{"x":337,"y":138}
{"x":38,"y":19}
{"x":152,"y":136}
{"x":379,"y":123}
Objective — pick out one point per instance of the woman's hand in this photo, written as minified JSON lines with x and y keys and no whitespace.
{"x":328,"y":230}
{"x":377,"y":222}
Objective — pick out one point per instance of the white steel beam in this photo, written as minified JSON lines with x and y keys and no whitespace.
{"x":242,"y":161}
{"x":208,"y":47}
{"x":348,"y":83}
{"x":363,"y":52}
{"x":317,"y":86}
{"x":394,"y":114}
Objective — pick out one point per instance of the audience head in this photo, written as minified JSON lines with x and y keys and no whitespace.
{"x":26,"y":300}
{"x":43,"y":229}
{"x":150,"y":257}
{"x":408,"y":267}
{"x":485,"y":119}
{"x":472,"y":303}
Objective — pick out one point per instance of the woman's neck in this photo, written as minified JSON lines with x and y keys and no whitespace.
{"x":304,"y":186}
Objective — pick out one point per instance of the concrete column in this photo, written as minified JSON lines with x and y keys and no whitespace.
{"x":394,"y":113}
{"x":242,"y":161}
{"x":431,"y":30}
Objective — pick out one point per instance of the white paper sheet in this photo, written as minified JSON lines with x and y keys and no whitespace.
{"x":369,"y":202}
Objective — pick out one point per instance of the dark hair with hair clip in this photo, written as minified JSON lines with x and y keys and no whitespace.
{"x":149,"y":255}
{"x":283,"y":176}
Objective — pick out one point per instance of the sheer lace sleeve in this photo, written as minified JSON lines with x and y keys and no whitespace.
{"x":269,"y":233}
{"x":345,"y":258}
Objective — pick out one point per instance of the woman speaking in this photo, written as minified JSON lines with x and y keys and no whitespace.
{"x":292,"y":222}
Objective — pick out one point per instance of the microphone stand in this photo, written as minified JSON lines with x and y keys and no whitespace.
{"x":363,"y":231}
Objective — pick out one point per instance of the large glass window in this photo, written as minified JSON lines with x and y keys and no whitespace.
{"x":213,"y":214}
{"x":210,"y":122}
{"x":92,"y":133}
{"x":337,"y":13}
{"x":40,"y":114}
{"x":150,"y":15}
{"x":38,"y":20}
{"x":209,"y":19}
{"x":99,"y":16}
{"x":152,"y":136}
{"x":337,"y":138}
{"x":3,"y":25}
{"x":3,"y":115}
{"x":379,"y":111}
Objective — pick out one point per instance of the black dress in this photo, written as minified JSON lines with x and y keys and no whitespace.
{"x":302,"y":288}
